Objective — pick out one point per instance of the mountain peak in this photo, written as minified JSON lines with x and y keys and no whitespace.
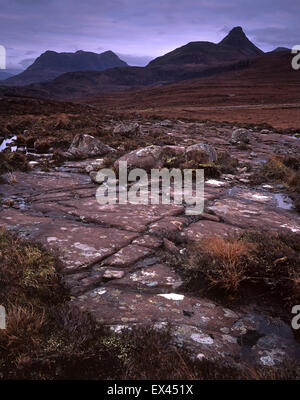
{"x":237,"y":39}
{"x":51,"y":64}
{"x":237,"y":30}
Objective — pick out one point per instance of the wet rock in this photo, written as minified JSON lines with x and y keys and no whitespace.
{"x":240,"y":135}
{"x":201,"y":153}
{"x":249,"y":209}
{"x":84,"y":146}
{"x":146,"y":158}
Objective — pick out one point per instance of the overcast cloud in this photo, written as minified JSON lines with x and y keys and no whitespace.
{"x":139,"y":30}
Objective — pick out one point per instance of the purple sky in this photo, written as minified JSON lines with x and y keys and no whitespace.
{"x":139,"y":30}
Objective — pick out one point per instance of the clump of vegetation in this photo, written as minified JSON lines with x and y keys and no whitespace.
{"x":227,"y":164}
{"x":217,"y":261}
{"x":11,"y":161}
{"x":275,"y":169}
{"x":211,"y":170}
{"x":232,"y":264}
{"x":28,"y":273}
{"x":293,"y":181}
{"x":282,"y":170}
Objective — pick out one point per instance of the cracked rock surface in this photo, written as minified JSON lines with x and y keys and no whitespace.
{"x":111,"y":253}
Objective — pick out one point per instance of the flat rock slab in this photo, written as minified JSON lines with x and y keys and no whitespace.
{"x":209,"y":330}
{"x":77,"y":244}
{"x":202,"y":228}
{"x":128,"y":256}
{"x":35,"y":182}
{"x":254,"y":215}
{"x":167,"y":224}
{"x":130,"y":217}
{"x":156,"y":277}
{"x":148,"y":241}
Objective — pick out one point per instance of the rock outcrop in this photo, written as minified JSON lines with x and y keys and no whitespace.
{"x":84,"y":146}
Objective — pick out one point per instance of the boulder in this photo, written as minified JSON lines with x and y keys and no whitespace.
{"x":174,"y":151}
{"x":201,"y":153}
{"x":146,"y":158}
{"x":84,"y":146}
{"x":240,"y":135}
{"x":130,"y":129}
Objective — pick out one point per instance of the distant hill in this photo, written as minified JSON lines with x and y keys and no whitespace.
{"x":5,"y":75}
{"x":233,"y":47}
{"x":52,"y":64}
{"x":194,"y":60}
{"x":278,"y":49}
{"x":267,"y":79}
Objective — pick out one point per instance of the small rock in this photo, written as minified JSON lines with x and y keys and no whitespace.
{"x":240,"y":135}
{"x":202,"y":338}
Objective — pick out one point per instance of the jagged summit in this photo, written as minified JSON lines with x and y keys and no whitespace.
{"x":237,"y":39}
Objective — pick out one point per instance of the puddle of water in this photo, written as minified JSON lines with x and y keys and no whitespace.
{"x":7,"y":142}
{"x":283,"y":201}
{"x":270,"y":335}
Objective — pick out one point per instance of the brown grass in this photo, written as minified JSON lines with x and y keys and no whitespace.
{"x":221,"y":260}
{"x":233,"y":264}
{"x":13,"y":161}
{"x":280,"y":169}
